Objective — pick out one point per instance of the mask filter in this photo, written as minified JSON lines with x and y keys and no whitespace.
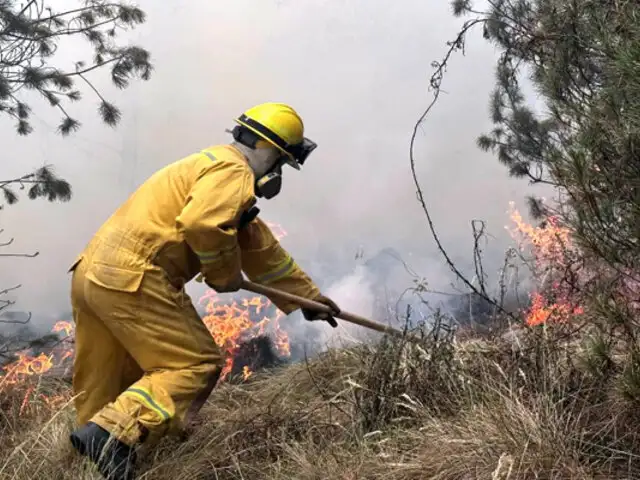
{"x":269,"y":185}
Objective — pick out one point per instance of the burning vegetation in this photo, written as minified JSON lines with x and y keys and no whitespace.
{"x":537,"y":405}
{"x":240,"y":328}
{"x":248,"y":330}
{"x":550,"y":259}
{"x":551,"y":390}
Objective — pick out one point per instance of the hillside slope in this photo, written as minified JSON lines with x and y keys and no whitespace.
{"x":485,"y":409}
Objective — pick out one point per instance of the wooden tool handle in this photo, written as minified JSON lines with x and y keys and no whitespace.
{"x":311,"y":304}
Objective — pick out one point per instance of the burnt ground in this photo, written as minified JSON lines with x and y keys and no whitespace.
{"x":257,"y":353}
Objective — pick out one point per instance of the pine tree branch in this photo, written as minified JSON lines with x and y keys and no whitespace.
{"x":76,"y":11}
{"x":59,"y":33}
{"x":27,"y":255}
{"x":23,"y":179}
{"x":44,"y":183}
{"x":29,"y":38}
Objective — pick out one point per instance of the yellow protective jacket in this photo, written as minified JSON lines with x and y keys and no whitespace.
{"x":184,"y":218}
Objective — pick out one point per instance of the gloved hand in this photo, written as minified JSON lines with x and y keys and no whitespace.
{"x":311,"y":315}
{"x":231,"y":286}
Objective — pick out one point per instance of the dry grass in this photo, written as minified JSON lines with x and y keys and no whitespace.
{"x":394,"y":411}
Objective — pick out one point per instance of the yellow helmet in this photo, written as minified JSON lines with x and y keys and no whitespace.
{"x":280,"y":125}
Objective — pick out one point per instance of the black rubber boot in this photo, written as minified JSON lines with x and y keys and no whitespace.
{"x":115,"y":462}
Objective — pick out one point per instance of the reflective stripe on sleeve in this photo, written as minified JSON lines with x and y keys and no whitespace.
{"x":281,"y":271}
{"x":207,"y":257}
{"x":213,"y":255}
{"x":210,"y":155}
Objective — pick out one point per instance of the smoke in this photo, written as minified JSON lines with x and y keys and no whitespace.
{"x":353,"y":293}
{"x":367,"y":291}
{"x":357,"y":71}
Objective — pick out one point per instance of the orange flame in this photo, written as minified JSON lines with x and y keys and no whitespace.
{"x":231,"y":323}
{"x":552,"y":249}
{"x":62,"y":326}
{"x":549,"y":242}
{"x":28,"y":366}
{"x":542,"y":310}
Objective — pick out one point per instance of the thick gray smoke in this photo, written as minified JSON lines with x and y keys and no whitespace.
{"x":358,"y":73}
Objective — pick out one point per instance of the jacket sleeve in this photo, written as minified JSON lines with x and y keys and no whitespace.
{"x":264,"y":261}
{"x":210,"y":217}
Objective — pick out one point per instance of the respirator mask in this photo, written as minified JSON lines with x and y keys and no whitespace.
{"x":269,"y":183}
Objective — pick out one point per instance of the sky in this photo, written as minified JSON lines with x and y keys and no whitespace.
{"x":356,"y":70}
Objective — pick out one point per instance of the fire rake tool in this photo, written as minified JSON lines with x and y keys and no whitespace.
{"x":247,"y":217}
{"x":306,"y":303}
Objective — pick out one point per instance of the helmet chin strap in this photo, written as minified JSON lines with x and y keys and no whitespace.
{"x":261,"y":160}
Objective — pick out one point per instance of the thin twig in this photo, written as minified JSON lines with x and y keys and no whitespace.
{"x":435,"y":83}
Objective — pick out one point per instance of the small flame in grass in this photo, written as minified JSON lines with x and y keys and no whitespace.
{"x":62,"y":326}
{"x":232,"y":323}
{"x":26,"y":366}
{"x":282,"y":341}
{"x":29,"y":366}
{"x":541,"y":311}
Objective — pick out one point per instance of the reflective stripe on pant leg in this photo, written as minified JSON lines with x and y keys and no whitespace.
{"x":167,"y":338}
{"x":144,"y":396}
{"x":149,"y":406}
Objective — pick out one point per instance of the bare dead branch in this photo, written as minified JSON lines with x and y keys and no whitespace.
{"x":478,"y":234}
{"x":27,"y":255}
{"x":435,"y":85}
{"x":10,"y":289}
{"x":6,"y":244}
{"x":15,"y":322}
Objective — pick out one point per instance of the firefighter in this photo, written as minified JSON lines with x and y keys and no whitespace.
{"x":145,"y":362}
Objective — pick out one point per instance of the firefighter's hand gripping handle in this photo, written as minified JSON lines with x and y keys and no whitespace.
{"x":306,"y":303}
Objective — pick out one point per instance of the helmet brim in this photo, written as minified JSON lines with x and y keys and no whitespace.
{"x":290,"y":160}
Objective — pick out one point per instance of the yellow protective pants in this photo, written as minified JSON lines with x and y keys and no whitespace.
{"x":144,"y":361}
